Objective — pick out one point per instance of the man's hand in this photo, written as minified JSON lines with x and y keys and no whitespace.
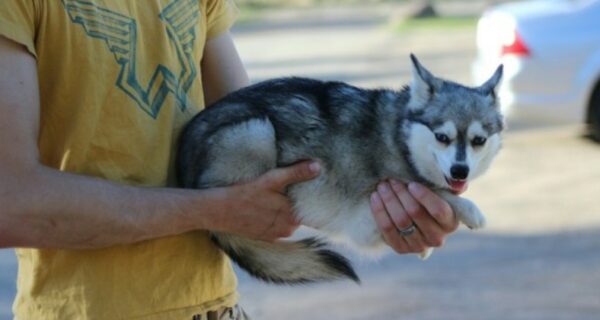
{"x":260,"y":209}
{"x":396,"y":206}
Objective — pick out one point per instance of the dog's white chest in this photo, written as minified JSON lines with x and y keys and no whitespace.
{"x":324,"y":208}
{"x":320,"y":206}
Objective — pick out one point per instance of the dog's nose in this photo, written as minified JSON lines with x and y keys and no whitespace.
{"x":459,"y":171}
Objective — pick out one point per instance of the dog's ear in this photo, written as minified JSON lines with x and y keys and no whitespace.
{"x":423,"y":85}
{"x":490,"y":86}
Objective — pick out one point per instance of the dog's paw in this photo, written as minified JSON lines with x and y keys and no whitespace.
{"x":471,"y":216}
{"x":476,"y":222}
{"x":425,"y":254}
{"x":466,"y":211}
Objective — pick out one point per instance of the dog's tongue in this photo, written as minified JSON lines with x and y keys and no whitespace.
{"x":458,"y":186}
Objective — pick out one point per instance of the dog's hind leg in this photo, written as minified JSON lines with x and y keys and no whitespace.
{"x":239,"y":152}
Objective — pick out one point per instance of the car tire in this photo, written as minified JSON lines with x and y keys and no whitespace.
{"x":594,"y":114}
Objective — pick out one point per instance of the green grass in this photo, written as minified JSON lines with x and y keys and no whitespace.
{"x":434,"y":23}
{"x":306,"y":3}
{"x":252,"y":10}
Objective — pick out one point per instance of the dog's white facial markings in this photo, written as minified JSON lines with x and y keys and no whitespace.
{"x":425,"y":153}
{"x":480,"y":155}
{"x":485,"y":155}
{"x":433,"y":159}
{"x":448,"y":128}
{"x":445,"y":153}
{"x":476,"y":130}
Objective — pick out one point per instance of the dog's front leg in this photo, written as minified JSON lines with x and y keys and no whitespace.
{"x":466,"y":211}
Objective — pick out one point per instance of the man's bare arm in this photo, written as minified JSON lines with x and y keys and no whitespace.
{"x":222,"y":69}
{"x":43,"y":207}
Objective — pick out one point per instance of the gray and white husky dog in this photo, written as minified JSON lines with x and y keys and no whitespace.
{"x":436,"y":132}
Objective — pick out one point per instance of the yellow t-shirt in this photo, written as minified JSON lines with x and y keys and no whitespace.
{"x":118,"y":79}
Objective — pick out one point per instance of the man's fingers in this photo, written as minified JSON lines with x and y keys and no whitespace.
{"x":393,"y":206}
{"x":284,"y":226}
{"x":410,"y":205}
{"x":439,"y":209}
{"x":386,"y":225}
{"x":280,"y":178}
{"x":431,"y":232}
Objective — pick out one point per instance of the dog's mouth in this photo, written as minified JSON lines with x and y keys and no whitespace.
{"x":457,"y":186}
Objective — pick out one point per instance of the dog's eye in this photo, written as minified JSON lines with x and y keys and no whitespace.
{"x":478,"y":141}
{"x":442,"y":138}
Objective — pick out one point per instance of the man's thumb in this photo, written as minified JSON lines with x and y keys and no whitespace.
{"x":303,"y":171}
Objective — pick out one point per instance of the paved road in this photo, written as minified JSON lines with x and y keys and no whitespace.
{"x":340,"y":44}
{"x":537,"y":260}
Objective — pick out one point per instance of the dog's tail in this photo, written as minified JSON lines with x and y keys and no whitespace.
{"x":285,"y":262}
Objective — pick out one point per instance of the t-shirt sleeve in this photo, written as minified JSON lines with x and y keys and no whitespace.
{"x":221,"y":15}
{"x":18,"y":22}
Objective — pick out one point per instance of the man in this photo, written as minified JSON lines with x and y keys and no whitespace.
{"x":93,"y":95}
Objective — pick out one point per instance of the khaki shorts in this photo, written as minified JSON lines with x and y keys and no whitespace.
{"x":233,"y":313}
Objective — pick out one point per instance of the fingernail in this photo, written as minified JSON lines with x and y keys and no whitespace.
{"x":416,"y":189}
{"x":394,"y":182}
{"x":374,"y":197}
{"x":383,"y":188}
{"x":315,"y":167}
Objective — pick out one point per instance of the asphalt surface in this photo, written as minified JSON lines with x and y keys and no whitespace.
{"x":537,"y":259}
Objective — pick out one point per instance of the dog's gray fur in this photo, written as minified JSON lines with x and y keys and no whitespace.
{"x":359,"y":136}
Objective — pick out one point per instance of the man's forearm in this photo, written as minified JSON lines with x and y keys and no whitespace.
{"x":53,"y":209}
{"x":42,"y":207}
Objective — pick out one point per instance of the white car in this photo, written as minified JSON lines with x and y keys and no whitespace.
{"x":551,"y":55}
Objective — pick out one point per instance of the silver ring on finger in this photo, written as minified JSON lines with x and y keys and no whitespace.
{"x":408,"y":230}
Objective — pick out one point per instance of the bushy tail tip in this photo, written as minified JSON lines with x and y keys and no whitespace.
{"x":283,"y":262}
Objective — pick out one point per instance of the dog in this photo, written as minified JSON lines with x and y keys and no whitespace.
{"x":434,"y":131}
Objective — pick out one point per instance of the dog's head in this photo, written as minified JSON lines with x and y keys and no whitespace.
{"x":453,"y":131}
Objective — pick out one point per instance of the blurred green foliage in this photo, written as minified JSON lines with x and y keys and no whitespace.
{"x":412,"y":24}
{"x":305,"y":3}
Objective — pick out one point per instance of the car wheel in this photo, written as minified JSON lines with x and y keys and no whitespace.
{"x":594,"y":114}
